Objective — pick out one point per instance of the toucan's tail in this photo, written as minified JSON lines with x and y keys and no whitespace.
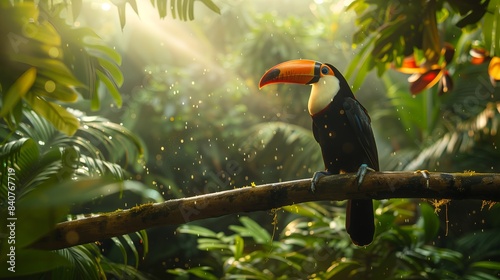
{"x":360,"y":221}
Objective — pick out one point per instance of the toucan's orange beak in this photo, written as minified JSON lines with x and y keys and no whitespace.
{"x":300,"y":71}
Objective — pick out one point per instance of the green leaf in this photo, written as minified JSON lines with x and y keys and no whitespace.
{"x":84,"y":264}
{"x":172,"y":8}
{"x":21,"y":155}
{"x":191,"y":10}
{"x":183,"y":11}
{"x":143,"y":237}
{"x":148,"y":194}
{"x":62,"y":120}
{"x":52,"y":68}
{"x":28,"y":261}
{"x":361,"y":58}
{"x":132,"y":247}
{"x":212,"y":245}
{"x":496,"y":31}
{"x":296,"y":265}
{"x":63,"y":94}
{"x":239,"y":245}
{"x":211,"y":5}
{"x":259,"y":234}
{"x":341,"y":270}
{"x":487,"y":264}
{"x":302,"y":210}
{"x":122,"y":14}
{"x":490,"y":21}
{"x":61,"y":78}
{"x":162,"y":8}
{"x":133,"y":4}
{"x":114,"y":72}
{"x":104,"y":52}
{"x":48,"y":204}
{"x":430,"y":222}
{"x":479,"y":275}
{"x":202,"y":272}
{"x":17,"y":90}
{"x":69,"y":193}
{"x":44,"y":32}
{"x":197,"y":230}
{"x":110,"y":85}
{"x":95,"y":102}
{"x":121,"y":248}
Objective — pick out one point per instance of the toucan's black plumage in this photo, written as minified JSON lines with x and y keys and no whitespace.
{"x":341,"y":126}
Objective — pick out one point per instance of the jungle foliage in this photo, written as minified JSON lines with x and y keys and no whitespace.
{"x":193,"y":121}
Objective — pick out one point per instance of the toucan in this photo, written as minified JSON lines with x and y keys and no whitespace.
{"x":342,"y":127}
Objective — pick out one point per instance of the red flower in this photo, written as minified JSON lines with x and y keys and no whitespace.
{"x":425,"y":76}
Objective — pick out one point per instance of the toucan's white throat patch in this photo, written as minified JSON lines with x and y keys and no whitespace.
{"x":322,"y":93}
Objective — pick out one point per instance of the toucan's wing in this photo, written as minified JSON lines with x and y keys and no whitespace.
{"x":315,"y":132}
{"x":360,"y":122}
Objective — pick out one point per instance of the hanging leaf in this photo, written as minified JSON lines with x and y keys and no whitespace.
{"x":112,"y":71}
{"x":239,"y":245}
{"x":252,"y":229}
{"x":111,"y":86}
{"x":430,"y":222}
{"x":17,"y":90}
{"x":197,"y":230}
{"x":62,"y":120}
{"x":161,"y":6}
{"x":104,"y":52}
{"x":211,"y":5}
{"x":133,"y":4}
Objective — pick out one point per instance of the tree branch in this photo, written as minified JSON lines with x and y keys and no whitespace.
{"x":376,"y":185}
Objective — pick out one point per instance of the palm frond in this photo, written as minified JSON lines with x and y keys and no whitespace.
{"x":122,"y":271}
{"x":37,"y":128}
{"x":90,"y":167}
{"x":115,"y":139}
{"x":85,"y":263}
{"x":32,"y":168}
{"x":97,"y":137}
{"x":18,"y":158}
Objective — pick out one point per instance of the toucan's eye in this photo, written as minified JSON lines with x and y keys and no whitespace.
{"x":325,"y":70}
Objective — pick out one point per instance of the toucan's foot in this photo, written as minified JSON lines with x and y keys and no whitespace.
{"x":360,"y":176}
{"x":316,"y":176}
{"x":426,"y":175}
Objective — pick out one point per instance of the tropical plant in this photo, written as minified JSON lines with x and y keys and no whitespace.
{"x":313,"y":245}
{"x":39,"y":163}
{"x":433,"y":131}
{"x":44,"y":60}
{"x":41,"y":64}
{"x":55,"y":159}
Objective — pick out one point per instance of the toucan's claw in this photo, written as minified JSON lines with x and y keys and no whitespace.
{"x":315,"y":179}
{"x":426,"y":175}
{"x":360,"y":176}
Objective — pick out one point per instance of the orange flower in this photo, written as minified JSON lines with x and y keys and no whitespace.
{"x":426,"y":76}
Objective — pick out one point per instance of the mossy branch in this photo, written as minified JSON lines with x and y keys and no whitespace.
{"x":377,"y":185}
